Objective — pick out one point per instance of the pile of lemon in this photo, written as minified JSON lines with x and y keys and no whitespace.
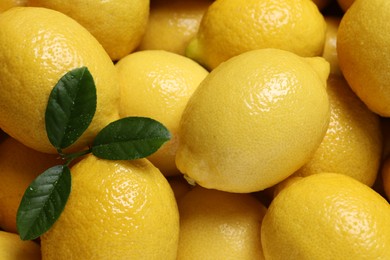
{"x":278,"y":112}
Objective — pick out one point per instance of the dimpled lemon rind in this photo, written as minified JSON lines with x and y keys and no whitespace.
{"x":158,"y":84}
{"x":254,"y":120}
{"x":364,"y":53}
{"x":117,"y":24}
{"x":37,"y":47}
{"x":353,"y":142}
{"x":327,"y":216}
{"x":116,"y":210}
{"x":231,"y":27}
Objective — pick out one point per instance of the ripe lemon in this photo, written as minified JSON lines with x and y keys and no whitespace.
{"x":353,"y":142}
{"x":254,"y":120}
{"x":117,"y":24}
{"x":116,"y":210}
{"x":231,"y":27}
{"x":19,"y":166}
{"x":158,"y":84}
{"x":219,"y":225}
{"x":7,"y":4}
{"x":327,"y":216}
{"x":330,"y":46}
{"x":37,"y":47}
{"x":13,"y":248}
{"x":364,"y":54}
{"x":172,"y":24}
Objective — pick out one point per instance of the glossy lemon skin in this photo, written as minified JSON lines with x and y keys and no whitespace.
{"x":363,"y":52}
{"x":118,"y":25}
{"x":37,"y":47}
{"x":327,"y":216}
{"x":116,"y":210}
{"x":238,"y":132}
{"x":231,"y":27}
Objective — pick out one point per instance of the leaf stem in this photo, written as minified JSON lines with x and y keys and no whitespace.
{"x":70,"y":157}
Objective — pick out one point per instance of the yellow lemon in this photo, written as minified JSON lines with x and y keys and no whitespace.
{"x":327,"y":216}
{"x":254,"y":120}
{"x":219,"y":225}
{"x":13,"y":248}
{"x":363,"y":50}
{"x":330,"y":46}
{"x":172,"y":24}
{"x":158,"y":84}
{"x":19,"y":166}
{"x":37,"y":47}
{"x":353,"y":142}
{"x":116,"y":210}
{"x":231,"y":27}
{"x":118,"y":25}
{"x":7,"y":4}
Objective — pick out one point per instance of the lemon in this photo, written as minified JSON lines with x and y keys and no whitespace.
{"x":118,"y":25}
{"x":231,"y":27}
{"x":364,"y":52}
{"x":327,"y":216}
{"x":158,"y":84}
{"x":19,"y":166}
{"x":330,"y":46}
{"x":7,"y":4}
{"x":13,"y":248}
{"x":353,"y":142}
{"x":219,"y":225}
{"x":254,"y":120}
{"x":37,"y":47}
{"x":116,"y":210}
{"x":172,"y":24}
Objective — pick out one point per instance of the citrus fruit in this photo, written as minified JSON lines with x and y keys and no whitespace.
{"x":158,"y":84}
{"x":116,"y":210}
{"x":117,"y":24}
{"x":219,"y":225}
{"x":327,"y":216}
{"x":353,"y":142}
{"x":172,"y":24}
{"x":37,"y":47}
{"x":330,"y":46}
{"x":13,"y":248}
{"x":231,"y":27}
{"x":363,"y":52}
{"x":19,"y":166}
{"x":254,"y":120}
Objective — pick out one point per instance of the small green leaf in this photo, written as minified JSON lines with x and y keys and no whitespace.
{"x":43,"y":202}
{"x":130,"y":138}
{"x":71,"y":107}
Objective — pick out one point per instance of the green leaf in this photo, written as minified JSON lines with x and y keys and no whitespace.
{"x":43,"y":202}
{"x":71,"y":107}
{"x":130,"y":138}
